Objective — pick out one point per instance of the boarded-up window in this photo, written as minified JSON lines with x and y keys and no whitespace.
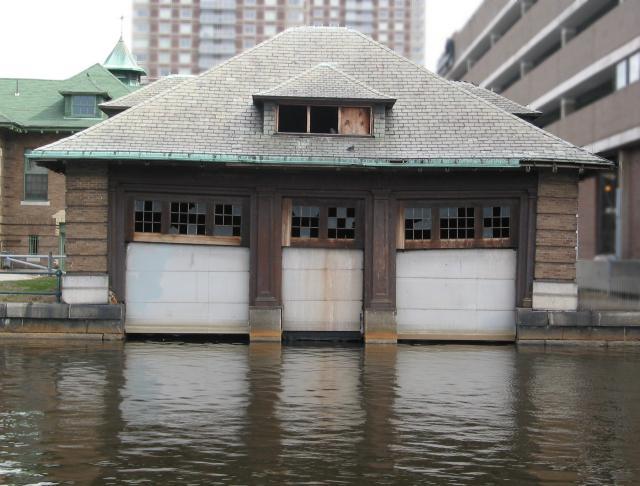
{"x":355,"y":121}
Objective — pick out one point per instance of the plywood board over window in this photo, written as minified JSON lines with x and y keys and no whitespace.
{"x":355,"y":120}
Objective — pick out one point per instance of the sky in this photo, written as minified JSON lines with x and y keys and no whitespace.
{"x":56,"y":39}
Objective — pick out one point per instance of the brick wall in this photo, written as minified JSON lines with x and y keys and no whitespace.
{"x":17,"y":219}
{"x":87,"y":217}
{"x":556,"y":226}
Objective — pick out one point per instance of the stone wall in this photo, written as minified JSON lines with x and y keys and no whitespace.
{"x":87,"y":217}
{"x":19,"y":218}
{"x":554,"y":285}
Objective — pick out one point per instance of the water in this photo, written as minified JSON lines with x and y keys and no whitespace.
{"x":206,"y":413}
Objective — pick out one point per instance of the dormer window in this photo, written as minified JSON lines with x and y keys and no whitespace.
{"x":84,"y":106}
{"x":321,"y":119}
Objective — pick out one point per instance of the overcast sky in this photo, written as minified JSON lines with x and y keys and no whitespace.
{"x":58,"y":38}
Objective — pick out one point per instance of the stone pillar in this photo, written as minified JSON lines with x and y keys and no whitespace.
{"x":87,"y":199}
{"x":265,"y":311}
{"x":554,"y":286}
{"x":380,"y":271}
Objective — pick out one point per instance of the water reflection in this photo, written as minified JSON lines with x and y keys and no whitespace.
{"x":264,"y":414}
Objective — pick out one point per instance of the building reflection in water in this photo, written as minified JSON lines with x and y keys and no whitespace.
{"x":270,"y":414}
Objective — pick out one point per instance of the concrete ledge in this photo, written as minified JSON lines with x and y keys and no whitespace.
{"x":609,"y":326}
{"x":43,"y":318}
{"x":555,"y":296}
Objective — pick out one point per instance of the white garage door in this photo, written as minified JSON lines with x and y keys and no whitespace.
{"x":187,"y":289}
{"x":456,"y":294}
{"x":321,"y":289}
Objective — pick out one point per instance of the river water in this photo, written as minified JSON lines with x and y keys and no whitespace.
{"x":211,"y":413}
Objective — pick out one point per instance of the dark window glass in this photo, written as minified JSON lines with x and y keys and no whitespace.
{"x":227,"y":220}
{"x":324,"y":119}
{"x":457,"y":223}
{"x":292,"y":118}
{"x":36,"y":181}
{"x":305,"y":222}
{"x":147,"y":216}
{"x":417,"y":223}
{"x":188,"y":218}
{"x":341,"y":223}
{"x":496,"y":221}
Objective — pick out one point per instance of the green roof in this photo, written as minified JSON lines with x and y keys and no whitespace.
{"x":40,"y":102}
{"x":121,"y":59}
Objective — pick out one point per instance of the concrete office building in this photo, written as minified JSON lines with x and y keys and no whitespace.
{"x":190,"y":36}
{"x":578,"y":62}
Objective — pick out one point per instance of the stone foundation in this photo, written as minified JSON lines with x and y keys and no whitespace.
{"x":380,"y":327}
{"x":61,"y":320}
{"x":265,"y":324}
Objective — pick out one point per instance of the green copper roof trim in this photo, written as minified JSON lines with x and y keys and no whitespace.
{"x":273,"y":160}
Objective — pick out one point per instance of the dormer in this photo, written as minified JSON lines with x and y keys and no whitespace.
{"x":324,"y":101}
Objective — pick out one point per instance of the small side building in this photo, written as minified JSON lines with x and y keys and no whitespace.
{"x":321,"y":184}
{"x":34,"y":112}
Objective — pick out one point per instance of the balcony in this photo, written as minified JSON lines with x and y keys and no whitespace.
{"x":615,"y":29}
{"x":608,"y":116}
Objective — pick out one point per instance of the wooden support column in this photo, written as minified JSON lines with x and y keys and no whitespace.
{"x":265,"y":311}
{"x":380,"y":270}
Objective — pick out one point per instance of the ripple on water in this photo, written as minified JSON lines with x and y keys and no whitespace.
{"x":209,"y":413}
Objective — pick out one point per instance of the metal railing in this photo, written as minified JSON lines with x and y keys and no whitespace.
{"x":52,"y":268}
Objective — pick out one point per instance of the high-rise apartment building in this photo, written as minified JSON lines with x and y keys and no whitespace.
{"x":578,"y":62}
{"x":190,"y":36}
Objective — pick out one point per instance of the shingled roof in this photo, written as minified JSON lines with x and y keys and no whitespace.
{"x":324,"y":82}
{"x":144,"y":93}
{"x":212,"y":117}
{"x":39,"y":104}
{"x":506,"y":104}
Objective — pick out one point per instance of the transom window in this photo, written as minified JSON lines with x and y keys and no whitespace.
{"x":227,"y":220}
{"x":201,"y":221}
{"x":148,"y":216}
{"x":417,"y":223}
{"x":321,"y":224}
{"x":328,"y":120}
{"x":459,"y":224}
{"x":188,"y":218}
{"x":342,"y":223}
{"x":496,"y":221}
{"x":305,"y":222}
{"x":83,"y":106}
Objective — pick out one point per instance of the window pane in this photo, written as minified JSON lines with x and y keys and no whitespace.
{"x":496,"y":221}
{"x":621,"y":74}
{"x":457,"y":223}
{"x":324,"y":119}
{"x":36,"y":187}
{"x":341,"y":223}
{"x":84,"y":106}
{"x":188,"y":218}
{"x":305,"y":222}
{"x":227,"y":220}
{"x":147,"y":216}
{"x":417,"y":223}
{"x":634,"y":68}
{"x":34,"y":244}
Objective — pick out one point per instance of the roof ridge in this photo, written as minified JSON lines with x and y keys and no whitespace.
{"x":459,"y":88}
{"x":331,"y":66}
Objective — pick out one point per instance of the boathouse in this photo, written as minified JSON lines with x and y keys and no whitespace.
{"x":321,"y":183}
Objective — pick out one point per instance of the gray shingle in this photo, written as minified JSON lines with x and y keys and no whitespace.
{"x":501,"y":102}
{"x":214,"y":113}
